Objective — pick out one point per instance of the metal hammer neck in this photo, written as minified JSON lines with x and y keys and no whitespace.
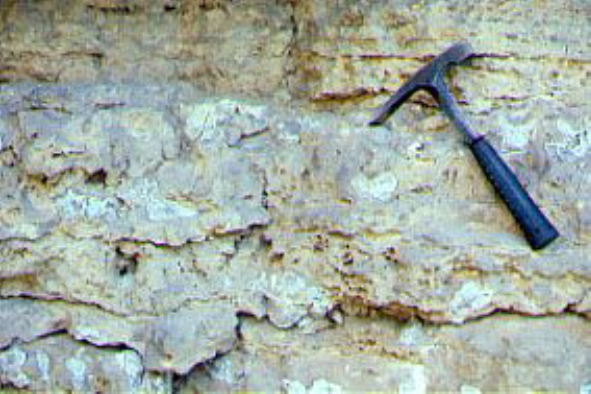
{"x":448,"y":104}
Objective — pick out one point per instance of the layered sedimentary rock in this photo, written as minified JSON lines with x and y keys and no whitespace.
{"x":190,"y":198}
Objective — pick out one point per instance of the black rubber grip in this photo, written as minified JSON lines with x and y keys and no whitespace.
{"x":538,"y":230}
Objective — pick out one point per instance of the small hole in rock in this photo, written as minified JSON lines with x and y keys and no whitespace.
{"x":126,"y":264}
{"x":97,"y":177}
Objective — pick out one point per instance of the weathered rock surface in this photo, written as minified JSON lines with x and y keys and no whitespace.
{"x":503,"y":353}
{"x":162,"y":229}
{"x":237,"y":208}
{"x":60,"y":362}
{"x":330,"y":53}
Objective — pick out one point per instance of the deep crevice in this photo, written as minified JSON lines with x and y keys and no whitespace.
{"x":124,"y":9}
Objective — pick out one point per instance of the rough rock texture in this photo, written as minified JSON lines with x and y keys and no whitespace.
{"x":60,"y":362}
{"x":498,"y":354}
{"x":178,"y":212}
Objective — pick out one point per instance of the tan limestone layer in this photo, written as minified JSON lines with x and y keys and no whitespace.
{"x":133,"y":212}
{"x":499,"y":354}
{"x":333,"y":55}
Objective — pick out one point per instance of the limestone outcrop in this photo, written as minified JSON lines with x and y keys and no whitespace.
{"x":190,"y":198}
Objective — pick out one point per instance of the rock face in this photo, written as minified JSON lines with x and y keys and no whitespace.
{"x":194,"y":202}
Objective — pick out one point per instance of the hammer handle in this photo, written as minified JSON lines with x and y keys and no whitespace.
{"x":537,"y":229}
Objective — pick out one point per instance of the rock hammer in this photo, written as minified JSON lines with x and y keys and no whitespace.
{"x":537,"y":229}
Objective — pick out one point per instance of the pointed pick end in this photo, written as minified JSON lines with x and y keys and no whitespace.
{"x":377,"y":118}
{"x":382,"y":113}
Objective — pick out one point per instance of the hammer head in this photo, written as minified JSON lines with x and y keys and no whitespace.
{"x":429,"y":78}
